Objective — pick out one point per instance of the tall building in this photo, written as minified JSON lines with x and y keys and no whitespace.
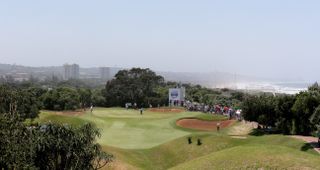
{"x":71,"y":71}
{"x":105,"y":73}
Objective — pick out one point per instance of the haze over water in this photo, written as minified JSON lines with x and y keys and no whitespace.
{"x":269,"y":39}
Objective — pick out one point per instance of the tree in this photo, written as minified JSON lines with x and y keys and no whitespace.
{"x":304,"y":106}
{"x":65,"y":147}
{"x":284,"y":113}
{"x":46,"y":146}
{"x":97,"y":98}
{"x":260,"y":109}
{"x":315,"y":119}
{"x":85,"y":97}
{"x":20,"y":101}
{"x":135,"y":85}
{"x":62,"y":98}
{"x":17,"y":143}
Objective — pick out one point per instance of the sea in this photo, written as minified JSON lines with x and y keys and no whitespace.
{"x":273,"y":87}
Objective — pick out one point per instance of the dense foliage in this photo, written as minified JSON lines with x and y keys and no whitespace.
{"x":24,"y":101}
{"x":134,"y":86}
{"x":290,"y":114}
{"x":141,"y":86}
{"x":45,"y":146}
{"x":49,"y":146}
{"x":224,"y":97}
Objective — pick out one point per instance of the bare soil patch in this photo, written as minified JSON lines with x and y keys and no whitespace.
{"x":192,"y":123}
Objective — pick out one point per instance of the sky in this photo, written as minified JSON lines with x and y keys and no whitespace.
{"x":265,"y":38}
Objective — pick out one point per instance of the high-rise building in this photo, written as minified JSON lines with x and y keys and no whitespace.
{"x":105,"y":73}
{"x":71,"y":71}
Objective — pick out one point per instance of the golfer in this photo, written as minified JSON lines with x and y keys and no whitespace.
{"x":91,"y":108}
{"x":141,"y":111}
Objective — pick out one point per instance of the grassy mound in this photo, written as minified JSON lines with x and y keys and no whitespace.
{"x":254,"y":157}
{"x":178,"y":151}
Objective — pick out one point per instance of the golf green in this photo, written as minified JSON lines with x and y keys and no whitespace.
{"x":128,"y":129}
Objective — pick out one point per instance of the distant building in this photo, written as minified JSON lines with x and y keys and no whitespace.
{"x":71,"y":71}
{"x":105,"y":73}
{"x":18,"y":76}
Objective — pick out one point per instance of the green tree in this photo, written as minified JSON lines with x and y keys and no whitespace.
{"x":65,"y":147}
{"x":62,"y":98}
{"x":135,"y":85}
{"x":260,"y":109}
{"x":22,"y":101}
{"x":17,"y":143}
{"x":284,"y":113}
{"x":97,"y":98}
{"x":315,"y":119}
{"x":85,"y":97}
{"x":304,"y":106}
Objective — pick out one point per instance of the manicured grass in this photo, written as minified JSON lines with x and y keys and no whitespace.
{"x":47,"y":116}
{"x":178,"y":151}
{"x":127,"y":128}
{"x":211,"y":117}
{"x":153,"y":141}
{"x":254,"y":157}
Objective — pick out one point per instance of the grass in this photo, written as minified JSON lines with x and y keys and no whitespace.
{"x":153,"y":141}
{"x":211,"y":117}
{"x":254,"y":157}
{"x":178,"y":151}
{"x":127,"y":129}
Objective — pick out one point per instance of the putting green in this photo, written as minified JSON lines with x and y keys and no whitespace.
{"x":128,"y":129}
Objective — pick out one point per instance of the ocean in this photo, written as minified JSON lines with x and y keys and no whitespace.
{"x":274,"y":87}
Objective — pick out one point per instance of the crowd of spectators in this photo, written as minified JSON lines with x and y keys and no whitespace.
{"x":214,"y":109}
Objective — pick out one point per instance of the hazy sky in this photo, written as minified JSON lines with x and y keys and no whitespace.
{"x":266,"y":38}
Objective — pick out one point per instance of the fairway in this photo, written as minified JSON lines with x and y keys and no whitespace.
{"x":154,"y":141}
{"x":128,"y":129}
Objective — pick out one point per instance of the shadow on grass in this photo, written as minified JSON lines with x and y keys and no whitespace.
{"x":308,"y":146}
{"x":261,"y":132}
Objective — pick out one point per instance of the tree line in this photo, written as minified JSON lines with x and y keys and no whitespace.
{"x":288,"y":114}
{"x":141,"y":86}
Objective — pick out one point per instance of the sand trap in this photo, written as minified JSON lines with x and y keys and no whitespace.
{"x":203,"y":125}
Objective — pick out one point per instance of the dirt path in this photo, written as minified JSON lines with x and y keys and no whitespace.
{"x":313,"y":141}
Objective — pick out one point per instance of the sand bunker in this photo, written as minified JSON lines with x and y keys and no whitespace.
{"x":203,"y":125}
